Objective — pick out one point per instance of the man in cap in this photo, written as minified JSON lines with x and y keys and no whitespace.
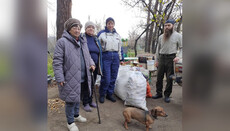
{"x":168,"y":45}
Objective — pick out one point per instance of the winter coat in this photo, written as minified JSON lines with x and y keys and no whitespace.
{"x":110,"y":41}
{"x":99,"y":65}
{"x":67,"y":66}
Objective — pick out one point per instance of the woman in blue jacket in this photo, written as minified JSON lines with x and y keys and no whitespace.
{"x":95,"y":52}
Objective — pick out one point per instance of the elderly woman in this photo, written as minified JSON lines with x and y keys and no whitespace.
{"x":111,"y":55}
{"x":72,"y":63}
{"x":95,"y":52}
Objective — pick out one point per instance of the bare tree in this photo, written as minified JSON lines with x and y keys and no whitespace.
{"x":132,"y":37}
{"x":157,"y":13}
{"x":99,"y":26}
{"x":64,"y":8}
{"x":155,"y":23}
{"x":171,"y":8}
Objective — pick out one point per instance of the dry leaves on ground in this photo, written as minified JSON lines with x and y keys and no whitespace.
{"x":55,"y":104}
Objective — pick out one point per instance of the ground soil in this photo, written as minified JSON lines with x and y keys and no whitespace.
{"x":111,"y":113}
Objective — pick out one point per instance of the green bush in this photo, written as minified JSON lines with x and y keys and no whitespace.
{"x":50,"y":67}
{"x":130,"y":53}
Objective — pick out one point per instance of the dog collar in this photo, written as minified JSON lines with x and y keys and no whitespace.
{"x":155,"y":114}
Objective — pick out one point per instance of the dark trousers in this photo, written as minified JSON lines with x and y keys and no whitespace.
{"x":86,"y":99}
{"x":111,"y":64}
{"x":165,"y":66}
{"x":85,"y":96}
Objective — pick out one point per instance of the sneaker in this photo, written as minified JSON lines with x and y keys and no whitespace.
{"x":101,"y":99}
{"x":87,"y":108}
{"x":111,"y":98}
{"x":93,"y":104}
{"x":80,"y":119}
{"x":157,"y":96}
{"x":167,"y":99}
{"x":72,"y":127}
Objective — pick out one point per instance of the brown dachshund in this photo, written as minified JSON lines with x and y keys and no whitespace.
{"x":144,"y":117}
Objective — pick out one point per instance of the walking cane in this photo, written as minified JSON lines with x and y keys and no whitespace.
{"x":93,"y":81}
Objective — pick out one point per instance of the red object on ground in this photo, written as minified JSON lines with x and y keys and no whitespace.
{"x":148,"y":92}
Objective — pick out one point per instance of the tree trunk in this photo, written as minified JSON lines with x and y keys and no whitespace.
{"x":157,"y":30}
{"x":135,"y":48}
{"x":147,"y":31}
{"x":151,"y":34}
{"x":150,"y":30}
{"x":63,"y":13}
{"x":150,"y":37}
{"x":155,"y":38}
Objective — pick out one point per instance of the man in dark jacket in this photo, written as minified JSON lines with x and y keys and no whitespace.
{"x":72,"y":64}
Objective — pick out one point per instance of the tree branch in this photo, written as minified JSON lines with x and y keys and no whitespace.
{"x":129,"y":4}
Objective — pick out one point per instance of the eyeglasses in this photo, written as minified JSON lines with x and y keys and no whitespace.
{"x":76,"y":28}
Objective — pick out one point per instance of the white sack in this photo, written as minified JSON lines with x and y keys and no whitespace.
{"x":122,"y":81}
{"x":136,"y":90}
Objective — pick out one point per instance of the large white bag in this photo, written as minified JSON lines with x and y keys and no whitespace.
{"x":122,"y":82}
{"x":136,"y":90}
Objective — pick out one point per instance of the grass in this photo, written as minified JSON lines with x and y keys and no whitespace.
{"x":50,"y":67}
{"x":130,"y":53}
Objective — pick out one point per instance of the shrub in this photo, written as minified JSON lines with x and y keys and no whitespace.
{"x":130,"y":53}
{"x":50,"y":67}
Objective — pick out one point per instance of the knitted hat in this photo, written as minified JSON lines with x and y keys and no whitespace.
{"x":88,"y":24}
{"x":71,"y":22}
{"x":170,"y":21}
{"x":109,"y":19}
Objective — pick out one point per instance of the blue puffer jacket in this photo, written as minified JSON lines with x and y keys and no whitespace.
{"x":67,"y":66}
{"x":100,"y":65}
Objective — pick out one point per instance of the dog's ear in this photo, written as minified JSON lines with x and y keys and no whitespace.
{"x":153,"y":111}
